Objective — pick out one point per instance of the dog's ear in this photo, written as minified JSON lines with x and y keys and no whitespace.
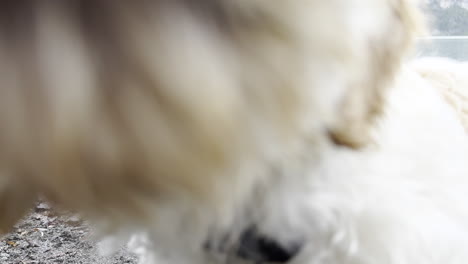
{"x":386,"y":50}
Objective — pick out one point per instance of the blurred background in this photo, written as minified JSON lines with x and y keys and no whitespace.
{"x":448,"y":30}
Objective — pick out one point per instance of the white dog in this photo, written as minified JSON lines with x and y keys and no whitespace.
{"x":210,"y":125}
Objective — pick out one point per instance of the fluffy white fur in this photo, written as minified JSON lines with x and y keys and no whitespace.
{"x":402,"y":200}
{"x":450,"y":77}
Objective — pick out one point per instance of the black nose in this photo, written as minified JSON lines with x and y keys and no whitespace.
{"x":259,"y":248}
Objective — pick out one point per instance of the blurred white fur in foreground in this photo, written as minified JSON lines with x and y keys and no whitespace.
{"x":190,"y":121}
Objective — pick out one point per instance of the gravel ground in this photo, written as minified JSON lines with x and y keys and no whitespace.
{"x":45,"y":237}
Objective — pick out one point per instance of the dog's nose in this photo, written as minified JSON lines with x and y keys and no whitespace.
{"x":258,"y":248}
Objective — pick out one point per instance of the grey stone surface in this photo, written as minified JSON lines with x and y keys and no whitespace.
{"x":46,"y":237}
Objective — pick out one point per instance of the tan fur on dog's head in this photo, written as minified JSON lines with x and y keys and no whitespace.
{"x":108,"y":107}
